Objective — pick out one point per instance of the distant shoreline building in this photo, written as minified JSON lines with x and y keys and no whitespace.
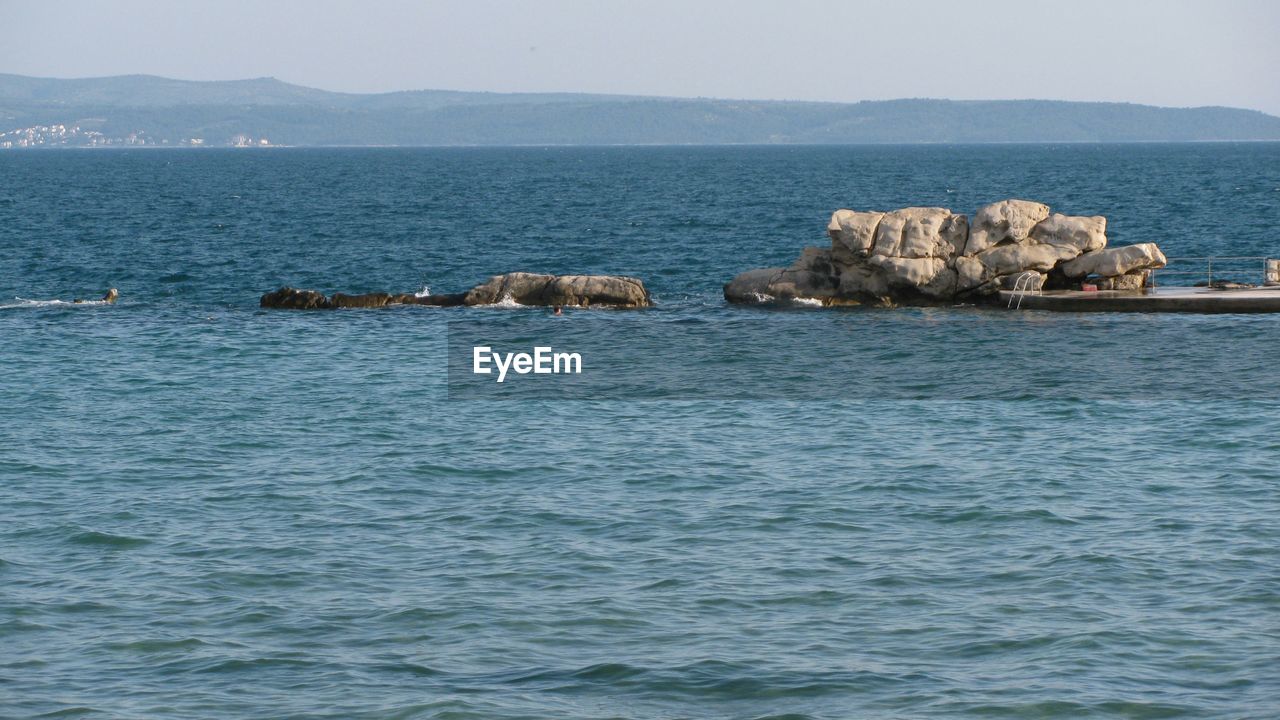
{"x":62,"y":135}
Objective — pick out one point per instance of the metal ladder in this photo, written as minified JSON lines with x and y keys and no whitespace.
{"x":1022,"y":286}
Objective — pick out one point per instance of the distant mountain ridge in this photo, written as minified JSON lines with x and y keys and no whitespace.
{"x":143,"y":109}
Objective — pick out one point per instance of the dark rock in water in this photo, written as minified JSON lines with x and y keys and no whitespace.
{"x":523,"y":288}
{"x":1225,"y":285}
{"x":442,"y":300}
{"x":295,"y":299}
{"x":368,"y":300}
{"x":571,"y":290}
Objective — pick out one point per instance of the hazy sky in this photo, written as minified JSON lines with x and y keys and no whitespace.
{"x":1175,"y":52}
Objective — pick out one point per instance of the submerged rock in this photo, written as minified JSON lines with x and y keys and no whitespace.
{"x":925,"y":255}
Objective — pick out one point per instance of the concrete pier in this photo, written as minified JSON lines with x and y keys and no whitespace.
{"x":1165,"y":299}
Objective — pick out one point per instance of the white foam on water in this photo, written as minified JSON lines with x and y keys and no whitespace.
{"x":424,"y":292}
{"x":25,"y":303}
{"x":806,"y":302}
{"x":761,"y":298}
{"x":506,"y":301}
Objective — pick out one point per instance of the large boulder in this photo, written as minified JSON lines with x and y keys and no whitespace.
{"x":1083,"y":234}
{"x":574,"y":290}
{"x":1116,"y":261}
{"x":1051,"y":241}
{"x":603,"y":290}
{"x":294,"y":299}
{"x":929,"y":276}
{"x":920,"y":232}
{"x":865,"y":281}
{"x":981,"y":273}
{"x":853,"y":234}
{"x":1004,"y":221}
{"x":521,"y":287}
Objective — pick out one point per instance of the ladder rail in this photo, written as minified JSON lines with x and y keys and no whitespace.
{"x":1022,"y":286}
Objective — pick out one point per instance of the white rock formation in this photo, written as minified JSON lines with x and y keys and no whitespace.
{"x":853,"y":233}
{"x":1115,"y":261}
{"x":1083,"y":234}
{"x":931,"y":255}
{"x":921,"y":233}
{"x":1005,"y":221}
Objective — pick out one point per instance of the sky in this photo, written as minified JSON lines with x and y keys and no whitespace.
{"x":1175,"y":53}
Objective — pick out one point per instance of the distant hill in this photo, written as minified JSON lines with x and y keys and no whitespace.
{"x":141,"y":109}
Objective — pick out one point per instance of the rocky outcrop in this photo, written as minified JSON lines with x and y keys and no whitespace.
{"x":927,"y":255}
{"x":572,"y":290}
{"x":522,"y":288}
{"x":441,"y":300}
{"x":295,"y":299}
{"x":368,"y":300}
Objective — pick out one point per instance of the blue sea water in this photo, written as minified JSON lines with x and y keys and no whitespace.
{"x":210,"y":510}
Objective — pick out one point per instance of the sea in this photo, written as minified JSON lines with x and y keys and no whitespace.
{"x":211,"y":510}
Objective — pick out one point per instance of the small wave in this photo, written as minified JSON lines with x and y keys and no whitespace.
{"x":253,"y":665}
{"x":424,"y":292}
{"x":806,"y":302}
{"x":73,"y":711}
{"x":102,"y":539}
{"x":506,"y":301}
{"x":25,"y":303}
{"x":410,"y":669}
{"x":157,"y":645}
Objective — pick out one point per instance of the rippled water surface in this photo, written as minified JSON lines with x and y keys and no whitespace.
{"x":215,"y":511}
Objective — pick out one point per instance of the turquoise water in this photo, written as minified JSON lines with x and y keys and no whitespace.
{"x":215,"y":511}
